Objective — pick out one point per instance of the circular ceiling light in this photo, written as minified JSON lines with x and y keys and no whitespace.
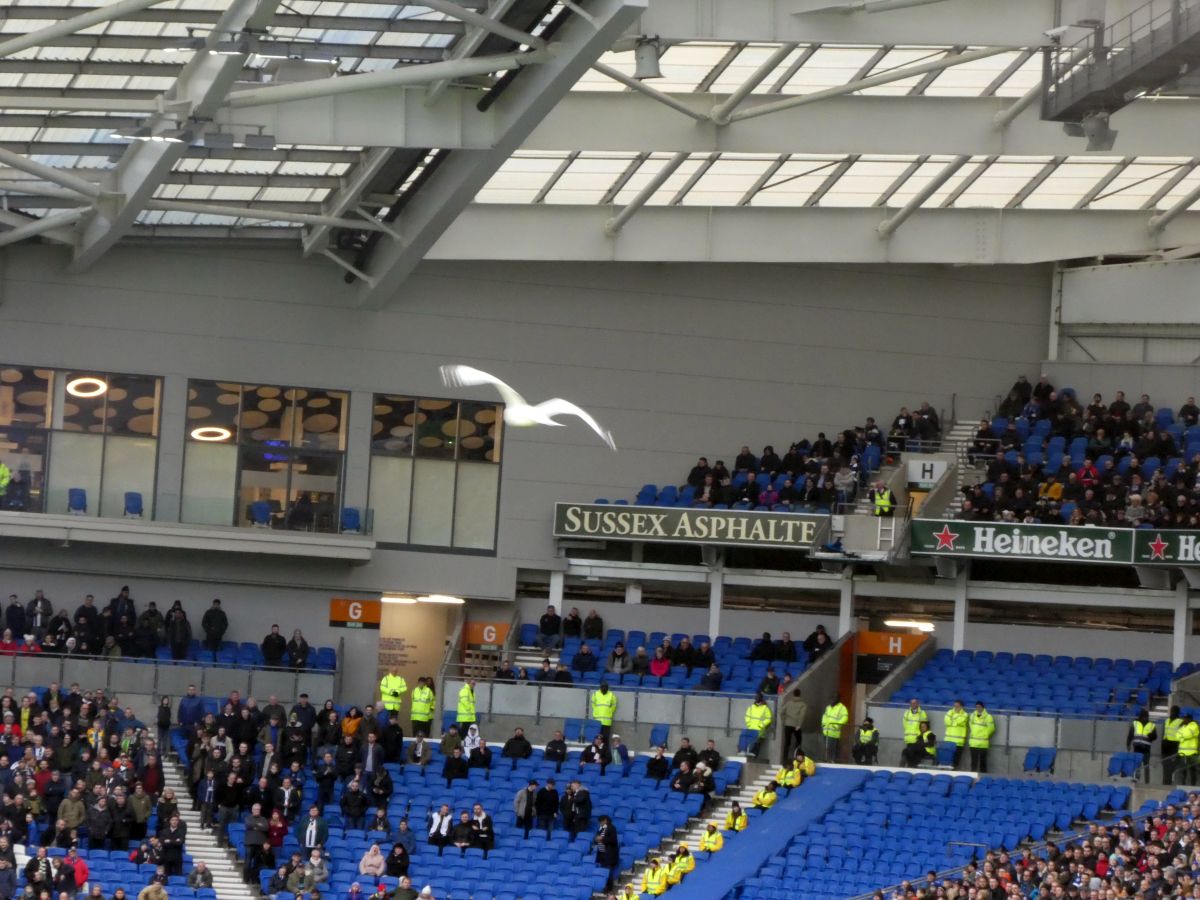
{"x":211,"y":433}
{"x":86,"y":387}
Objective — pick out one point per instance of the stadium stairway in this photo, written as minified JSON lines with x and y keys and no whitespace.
{"x":201,"y":844}
{"x":696,"y":826}
{"x":959,"y":439}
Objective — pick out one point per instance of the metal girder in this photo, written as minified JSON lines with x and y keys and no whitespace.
{"x":68,"y":148}
{"x":1108,"y":178}
{"x":695,"y":234}
{"x":1015,"y":23}
{"x":523,"y":103}
{"x":43,"y":36}
{"x":203,"y":85}
{"x":62,"y":235}
{"x":48,"y":223}
{"x":1035,"y":182}
{"x":470,"y":44}
{"x":347,"y":195}
{"x":625,"y":121}
{"x":411,"y":53}
{"x":279,"y":20}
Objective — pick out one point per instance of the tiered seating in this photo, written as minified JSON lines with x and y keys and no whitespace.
{"x":111,"y":869}
{"x":559,"y":869}
{"x":1061,"y":685}
{"x":901,"y":825}
{"x":742,"y":675}
{"x":246,"y":655}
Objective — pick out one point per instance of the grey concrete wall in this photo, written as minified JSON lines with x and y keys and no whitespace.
{"x":126,"y":677}
{"x":676,"y":360}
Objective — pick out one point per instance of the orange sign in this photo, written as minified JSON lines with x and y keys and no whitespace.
{"x":887,"y":643}
{"x":485,"y":634}
{"x":354,"y":613}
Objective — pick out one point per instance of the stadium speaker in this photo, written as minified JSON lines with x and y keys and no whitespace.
{"x":645,"y":58}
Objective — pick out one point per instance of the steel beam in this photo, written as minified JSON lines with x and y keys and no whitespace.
{"x":469,"y":45}
{"x":722,"y":111}
{"x":72,"y":25}
{"x":384,"y":79}
{"x":204,"y":17}
{"x":485,"y":23}
{"x":614,"y":225}
{"x":888,"y":226}
{"x":905,"y":72}
{"x":668,"y":100}
{"x":629,"y":122}
{"x":1016,"y":23}
{"x":58,"y":176}
{"x":762,"y":234}
{"x":48,"y":222}
{"x":523,"y":103}
{"x":202,"y":85}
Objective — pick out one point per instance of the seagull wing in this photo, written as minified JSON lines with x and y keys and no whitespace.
{"x":465,"y":376}
{"x":560,"y":407}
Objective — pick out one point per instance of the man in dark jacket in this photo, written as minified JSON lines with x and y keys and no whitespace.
{"x":172,"y":837}
{"x":517,"y":747}
{"x":214,"y":624}
{"x":545,"y":807}
{"x":556,"y":751}
{"x":273,"y":647}
{"x":577,"y":812}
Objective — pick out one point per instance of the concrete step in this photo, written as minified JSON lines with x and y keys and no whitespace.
{"x":202,"y":844}
{"x":690,"y":833}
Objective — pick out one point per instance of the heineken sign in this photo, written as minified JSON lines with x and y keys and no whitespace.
{"x":670,"y":525}
{"x":1055,"y":543}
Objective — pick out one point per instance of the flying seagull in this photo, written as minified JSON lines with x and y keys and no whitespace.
{"x":516,"y":411}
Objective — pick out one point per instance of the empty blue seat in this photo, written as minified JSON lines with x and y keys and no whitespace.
{"x":77,"y":501}
{"x":133,"y":505}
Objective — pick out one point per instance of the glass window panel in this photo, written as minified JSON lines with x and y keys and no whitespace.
{"x":436,"y":426}
{"x":314,"y":495}
{"x":264,"y":478}
{"x":129,"y":465}
{"x":391,"y":493}
{"x":24,"y":452}
{"x":321,"y":418}
{"x":214,"y":404}
{"x":209,"y":477}
{"x":75,"y":461}
{"x":83,"y":403}
{"x":24,"y":396}
{"x":133,"y":404}
{"x":392,"y":424}
{"x":432,"y":502}
{"x":475,"y":497}
{"x":477,"y":432}
{"x":266,"y":416}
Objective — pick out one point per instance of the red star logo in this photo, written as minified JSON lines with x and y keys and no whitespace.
{"x":945,"y":539}
{"x":1157,"y":547}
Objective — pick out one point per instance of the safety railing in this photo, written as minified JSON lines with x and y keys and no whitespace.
{"x":535,"y":701}
{"x":1107,"y":54}
{"x":144,"y":676}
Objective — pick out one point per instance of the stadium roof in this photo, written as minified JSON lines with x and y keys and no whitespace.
{"x":379,"y":133}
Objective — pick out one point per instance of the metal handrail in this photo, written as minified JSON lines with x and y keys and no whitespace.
{"x":1136,"y":37}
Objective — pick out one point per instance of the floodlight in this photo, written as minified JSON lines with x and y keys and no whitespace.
{"x":645,"y":58}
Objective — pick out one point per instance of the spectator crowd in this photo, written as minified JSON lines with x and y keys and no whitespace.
{"x":810,"y":474}
{"x":117,"y":629}
{"x":1155,"y":857}
{"x":1050,"y":459}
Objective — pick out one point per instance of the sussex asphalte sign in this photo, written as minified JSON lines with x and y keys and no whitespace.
{"x":794,"y":531}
